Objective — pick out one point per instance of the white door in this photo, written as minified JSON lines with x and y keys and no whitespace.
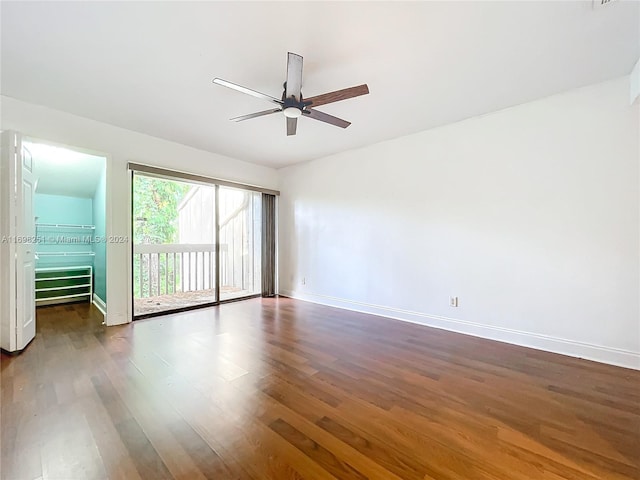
{"x":26,"y":250}
{"x":18,"y":188}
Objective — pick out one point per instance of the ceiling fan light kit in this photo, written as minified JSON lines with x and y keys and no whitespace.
{"x":292,"y":104}
{"x":292,"y":112}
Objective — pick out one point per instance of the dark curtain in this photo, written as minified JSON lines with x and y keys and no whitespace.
{"x":268,"y":245}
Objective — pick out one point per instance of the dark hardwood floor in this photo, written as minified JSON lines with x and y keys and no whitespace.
{"x":281,"y":389}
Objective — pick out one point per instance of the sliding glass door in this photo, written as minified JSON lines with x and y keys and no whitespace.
{"x":174,"y":259}
{"x":194,"y":244}
{"x":240,"y":236}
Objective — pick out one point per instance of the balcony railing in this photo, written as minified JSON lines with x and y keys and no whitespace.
{"x":161,"y":269}
{"x":167,"y":269}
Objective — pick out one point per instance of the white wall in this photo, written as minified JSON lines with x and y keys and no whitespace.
{"x":529,"y":215}
{"x":121,"y":146}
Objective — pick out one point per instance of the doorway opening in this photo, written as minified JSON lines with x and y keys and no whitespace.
{"x":69,"y":209}
{"x":195,"y":244}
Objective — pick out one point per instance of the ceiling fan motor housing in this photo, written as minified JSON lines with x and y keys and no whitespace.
{"x":292,"y":108}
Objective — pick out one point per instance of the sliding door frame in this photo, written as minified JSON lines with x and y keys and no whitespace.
{"x":216,"y":183}
{"x":190,"y":177}
{"x":217,"y":239}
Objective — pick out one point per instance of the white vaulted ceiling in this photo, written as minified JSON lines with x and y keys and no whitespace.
{"x":148,"y":66}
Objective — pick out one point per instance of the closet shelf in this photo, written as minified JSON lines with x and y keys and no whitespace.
{"x":65,"y":225}
{"x":65,"y":254}
{"x":66,"y":287}
{"x":62,"y":297}
{"x":48,"y":279}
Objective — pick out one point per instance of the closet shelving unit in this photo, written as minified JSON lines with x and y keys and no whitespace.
{"x":55,"y":284}
{"x":64,"y":283}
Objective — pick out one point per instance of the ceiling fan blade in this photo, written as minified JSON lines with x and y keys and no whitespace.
{"x":254,"y":115}
{"x":292,"y":125}
{"x":338,"y":95}
{"x":323,"y":117}
{"x":294,"y":76}
{"x":248,"y":91}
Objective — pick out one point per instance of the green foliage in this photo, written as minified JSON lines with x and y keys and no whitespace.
{"x":155,"y":204}
{"x":155,"y":220}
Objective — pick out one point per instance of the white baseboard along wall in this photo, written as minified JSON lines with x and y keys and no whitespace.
{"x":597,"y":353}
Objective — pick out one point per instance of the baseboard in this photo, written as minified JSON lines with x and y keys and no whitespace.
{"x":100,"y":304}
{"x":598,"y":353}
{"x":60,"y":301}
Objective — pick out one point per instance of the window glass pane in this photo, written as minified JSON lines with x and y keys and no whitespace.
{"x":240,"y":242}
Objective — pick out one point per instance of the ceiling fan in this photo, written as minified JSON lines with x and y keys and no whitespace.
{"x":292,"y":104}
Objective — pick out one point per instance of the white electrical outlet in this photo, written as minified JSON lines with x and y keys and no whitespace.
{"x":453,"y":301}
{"x":304,"y":280}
